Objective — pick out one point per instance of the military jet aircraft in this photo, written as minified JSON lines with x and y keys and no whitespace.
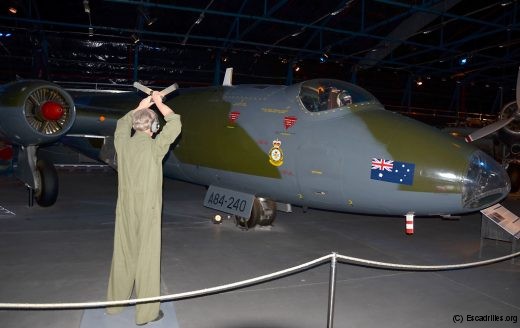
{"x":321,"y":143}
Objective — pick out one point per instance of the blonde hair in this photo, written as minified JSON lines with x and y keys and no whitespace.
{"x":142,"y":119}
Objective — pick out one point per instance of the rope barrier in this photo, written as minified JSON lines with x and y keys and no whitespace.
{"x":252,"y":281}
{"x":206,"y":291}
{"x":412,"y":267}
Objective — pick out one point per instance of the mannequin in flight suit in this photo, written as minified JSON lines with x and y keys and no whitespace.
{"x":137,"y":238}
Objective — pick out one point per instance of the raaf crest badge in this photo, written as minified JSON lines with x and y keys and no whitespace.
{"x":276,"y":153}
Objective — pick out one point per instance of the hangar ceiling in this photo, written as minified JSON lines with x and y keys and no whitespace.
{"x":386,"y":46}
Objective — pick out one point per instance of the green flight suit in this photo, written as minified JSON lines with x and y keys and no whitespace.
{"x":137,"y":238}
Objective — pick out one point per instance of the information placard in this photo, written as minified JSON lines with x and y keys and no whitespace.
{"x":504,"y":218}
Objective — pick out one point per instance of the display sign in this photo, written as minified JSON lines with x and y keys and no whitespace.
{"x":229,"y":201}
{"x":504,"y":218}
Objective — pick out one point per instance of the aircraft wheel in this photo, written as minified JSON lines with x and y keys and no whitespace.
{"x":267,"y":211}
{"x":246,"y":222}
{"x":513,"y":170}
{"x":48,"y":192}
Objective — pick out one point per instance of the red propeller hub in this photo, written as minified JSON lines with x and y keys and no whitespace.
{"x":52,"y":111}
{"x":6,"y":153}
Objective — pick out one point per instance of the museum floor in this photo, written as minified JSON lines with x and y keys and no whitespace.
{"x":62,"y":254}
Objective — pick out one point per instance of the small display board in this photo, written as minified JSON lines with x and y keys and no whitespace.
{"x":229,"y":201}
{"x":504,"y":218}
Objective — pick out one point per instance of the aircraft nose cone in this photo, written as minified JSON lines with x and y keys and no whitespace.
{"x":486,"y":182}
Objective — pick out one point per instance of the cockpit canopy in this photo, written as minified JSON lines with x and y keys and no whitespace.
{"x":325,"y":94}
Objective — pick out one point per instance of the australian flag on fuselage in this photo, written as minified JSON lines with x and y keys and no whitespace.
{"x":392,"y":171}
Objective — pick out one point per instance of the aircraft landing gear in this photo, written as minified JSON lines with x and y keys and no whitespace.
{"x":39,"y":175}
{"x":263,"y":214}
{"x":47,"y":193}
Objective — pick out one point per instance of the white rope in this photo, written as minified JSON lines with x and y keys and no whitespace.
{"x":206,"y":291}
{"x":412,"y":267}
{"x":243,"y":283}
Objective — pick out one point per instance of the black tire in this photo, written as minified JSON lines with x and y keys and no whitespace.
{"x":258,"y":215}
{"x":250,"y":222}
{"x":48,"y":192}
{"x":267,"y":221}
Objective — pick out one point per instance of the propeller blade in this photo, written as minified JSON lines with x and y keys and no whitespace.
{"x":488,"y":129}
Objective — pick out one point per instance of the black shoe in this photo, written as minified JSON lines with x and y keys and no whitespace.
{"x":159,"y":317}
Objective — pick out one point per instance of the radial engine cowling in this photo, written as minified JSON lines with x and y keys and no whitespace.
{"x":34,"y":112}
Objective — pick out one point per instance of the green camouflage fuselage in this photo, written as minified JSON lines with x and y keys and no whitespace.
{"x":326,"y":157}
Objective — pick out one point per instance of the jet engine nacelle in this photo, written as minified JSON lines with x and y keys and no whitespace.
{"x":34,"y":112}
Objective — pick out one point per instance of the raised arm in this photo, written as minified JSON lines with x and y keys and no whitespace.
{"x":124,"y":124}
{"x":163,"y":108}
{"x":170,"y":131}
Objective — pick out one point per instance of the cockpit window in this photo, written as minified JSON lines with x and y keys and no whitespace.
{"x":324,"y":94}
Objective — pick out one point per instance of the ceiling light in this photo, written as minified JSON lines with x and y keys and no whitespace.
{"x":135,"y":38}
{"x":296,"y":68}
{"x":146,"y":15}
{"x":463,"y":61}
{"x":419,"y":82}
{"x":13,"y":10}
{"x":199,"y":20}
{"x":324,"y":57}
{"x":86,"y":6}
{"x":150,"y":21}
{"x":297,"y":33}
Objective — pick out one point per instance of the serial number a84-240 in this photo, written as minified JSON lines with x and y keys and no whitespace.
{"x":229,"y":201}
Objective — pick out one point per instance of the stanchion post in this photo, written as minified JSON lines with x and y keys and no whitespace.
{"x":332,"y":291}
{"x":31,"y":196}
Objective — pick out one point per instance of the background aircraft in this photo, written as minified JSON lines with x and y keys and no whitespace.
{"x":321,"y":143}
{"x":500,"y":139}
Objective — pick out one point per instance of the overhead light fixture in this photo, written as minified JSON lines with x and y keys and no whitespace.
{"x":463,"y":61}
{"x":295,"y":34}
{"x":505,"y":3}
{"x":146,"y":15}
{"x":150,"y":21}
{"x":199,"y":20}
{"x":13,"y":10}
{"x":135,"y":38}
{"x":296,"y":68}
{"x":86,"y":6}
{"x":324,"y":57}
{"x":334,"y":13}
{"x":419,"y":82}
